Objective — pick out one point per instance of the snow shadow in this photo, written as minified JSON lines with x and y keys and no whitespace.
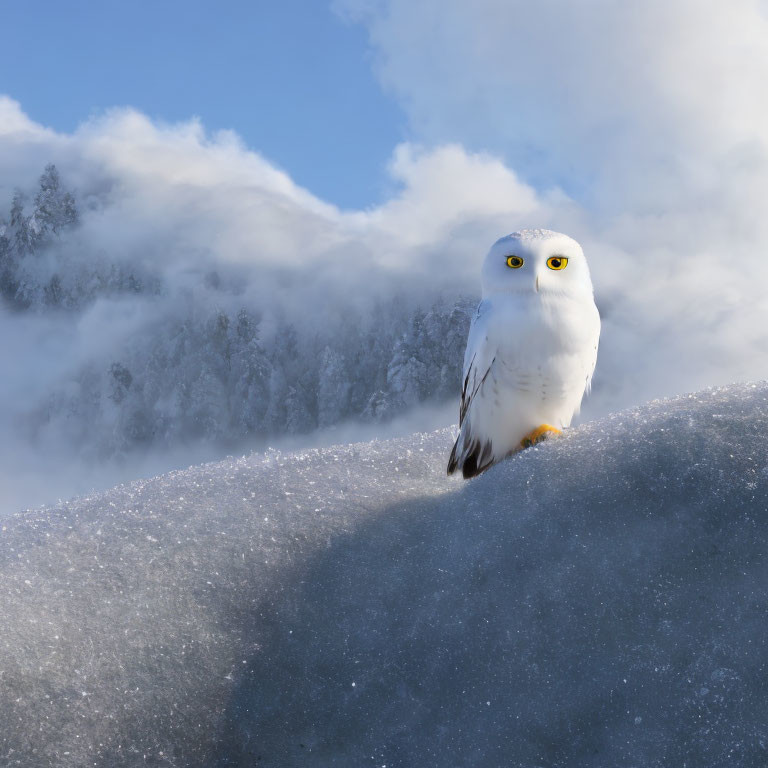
{"x":601,"y":602}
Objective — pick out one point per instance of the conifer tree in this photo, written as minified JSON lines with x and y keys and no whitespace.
{"x":55,"y":208}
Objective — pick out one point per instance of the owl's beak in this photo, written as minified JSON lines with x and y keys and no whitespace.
{"x":537,"y":283}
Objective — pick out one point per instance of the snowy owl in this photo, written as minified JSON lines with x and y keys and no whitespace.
{"x":531,"y":350}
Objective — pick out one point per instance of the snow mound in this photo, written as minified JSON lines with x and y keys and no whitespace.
{"x":598,"y":601}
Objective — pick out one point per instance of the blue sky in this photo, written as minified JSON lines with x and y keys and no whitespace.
{"x":290,"y":77}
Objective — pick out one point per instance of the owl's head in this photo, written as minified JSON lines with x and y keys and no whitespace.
{"x":536,"y":261}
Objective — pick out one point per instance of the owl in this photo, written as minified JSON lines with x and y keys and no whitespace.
{"x":531,"y":351}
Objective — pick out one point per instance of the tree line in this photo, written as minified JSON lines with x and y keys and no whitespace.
{"x":208,"y":370}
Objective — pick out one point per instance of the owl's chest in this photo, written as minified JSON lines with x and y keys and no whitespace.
{"x":538,"y":347}
{"x":537,"y":329}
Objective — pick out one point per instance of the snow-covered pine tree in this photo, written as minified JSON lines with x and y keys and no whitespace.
{"x":8,"y":284}
{"x":250,"y":377}
{"x":333,"y":388}
{"x":55,"y":208}
{"x":27,"y":279}
{"x":407,"y":374}
{"x":21,"y":232}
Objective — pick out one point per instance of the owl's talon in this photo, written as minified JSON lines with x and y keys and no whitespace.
{"x":538,"y":435}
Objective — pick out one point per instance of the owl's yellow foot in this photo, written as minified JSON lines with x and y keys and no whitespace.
{"x":538,"y":435}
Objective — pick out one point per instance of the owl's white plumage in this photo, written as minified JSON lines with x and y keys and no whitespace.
{"x":532,"y":347}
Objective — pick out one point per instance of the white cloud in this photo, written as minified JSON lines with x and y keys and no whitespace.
{"x":602,"y":93}
{"x":445,"y":187}
{"x":210,"y":195}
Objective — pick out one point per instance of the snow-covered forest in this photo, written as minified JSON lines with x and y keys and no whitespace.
{"x":199,"y":358}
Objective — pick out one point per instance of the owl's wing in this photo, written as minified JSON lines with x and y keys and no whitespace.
{"x":591,"y":322}
{"x":477,"y":360}
{"x":593,"y":351}
{"x":471,"y":453}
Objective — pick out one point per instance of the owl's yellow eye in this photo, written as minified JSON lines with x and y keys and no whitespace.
{"x":557,"y":262}
{"x":515,"y":262}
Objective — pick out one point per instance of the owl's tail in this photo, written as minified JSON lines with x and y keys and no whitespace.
{"x":470,"y":454}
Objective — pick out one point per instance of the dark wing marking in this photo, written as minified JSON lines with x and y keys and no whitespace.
{"x":472,"y":454}
{"x":464,"y":399}
{"x":477,"y":455}
{"x":477,"y":459}
{"x":466,"y":394}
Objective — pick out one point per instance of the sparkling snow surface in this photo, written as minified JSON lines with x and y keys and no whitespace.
{"x":601,"y":600}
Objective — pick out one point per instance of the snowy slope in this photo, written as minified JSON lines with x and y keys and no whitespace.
{"x":599,"y":601}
